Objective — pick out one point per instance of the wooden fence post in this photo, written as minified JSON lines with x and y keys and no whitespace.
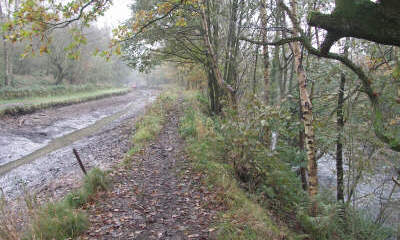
{"x":79,"y":161}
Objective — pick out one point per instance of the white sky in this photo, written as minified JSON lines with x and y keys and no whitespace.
{"x":118,"y":12}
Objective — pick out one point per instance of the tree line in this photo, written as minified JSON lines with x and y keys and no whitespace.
{"x":66,"y":58}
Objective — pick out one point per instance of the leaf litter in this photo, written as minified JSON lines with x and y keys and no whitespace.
{"x":158,"y":197}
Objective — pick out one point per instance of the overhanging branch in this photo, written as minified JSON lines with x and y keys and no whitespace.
{"x":377,"y":22}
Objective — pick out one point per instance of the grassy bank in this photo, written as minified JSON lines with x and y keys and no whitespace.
{"x":261,"y":192}
{"x":10,"y":93}
{"x":243,"y":218}
{"x":28,"y":105}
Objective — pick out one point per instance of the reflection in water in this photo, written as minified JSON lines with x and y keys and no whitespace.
{"x":372,"y":192}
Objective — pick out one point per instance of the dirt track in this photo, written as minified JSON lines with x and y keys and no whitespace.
{"x":36,"y":149}
{"x":159,"y":196}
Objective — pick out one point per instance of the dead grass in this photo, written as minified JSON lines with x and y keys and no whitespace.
{"x":9,"y":221}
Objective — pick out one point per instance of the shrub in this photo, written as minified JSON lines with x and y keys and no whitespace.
{"x":95,"y":181}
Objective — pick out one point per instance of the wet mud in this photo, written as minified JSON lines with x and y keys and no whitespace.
{"x":36,"y":149}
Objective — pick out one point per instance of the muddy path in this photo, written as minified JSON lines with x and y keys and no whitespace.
{"x":158,"y":196}
{"x":36,"y":149}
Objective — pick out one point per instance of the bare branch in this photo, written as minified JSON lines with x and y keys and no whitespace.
{"x":276,"y":43}
{"x":152,"y":22}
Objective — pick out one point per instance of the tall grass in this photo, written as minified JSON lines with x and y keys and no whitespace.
{"x":57,"y":221}
{"x":9,"y":227}
{"x":54,"y":220}
{"x":94,"y":182}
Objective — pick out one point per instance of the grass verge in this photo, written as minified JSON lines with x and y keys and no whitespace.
{"x":150,"y":124}
{"x":45,"y":90}
{"x":29,"y":105}
{"x":243,"y":218}
{"x":54,"y":220}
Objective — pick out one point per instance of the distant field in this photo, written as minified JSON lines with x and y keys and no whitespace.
{"x":25,"y":105}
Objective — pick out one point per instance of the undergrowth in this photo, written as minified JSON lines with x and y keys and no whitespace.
{"x":57,"y":221}
{"x":243,"y":218}
{"x":257,"y":183}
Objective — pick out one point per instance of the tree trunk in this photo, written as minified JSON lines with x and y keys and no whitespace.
{"x":229,"y":64}
{"x":276,"y":76}
{"x":236,"y":49}
{"x":58,"y":74}
{"x":211,"y":93}
{"x":3,"y":18}
{"x":264,"y":33}
{"x":339,"y":144}
{"x":215,"y":42}
{"x":306,"y":110}
{"x":58,"y":79}
{"x":255,"y":70}
{"x":6,"y":62}
{"x":303,"y":171}
{"x":212,"y":57}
